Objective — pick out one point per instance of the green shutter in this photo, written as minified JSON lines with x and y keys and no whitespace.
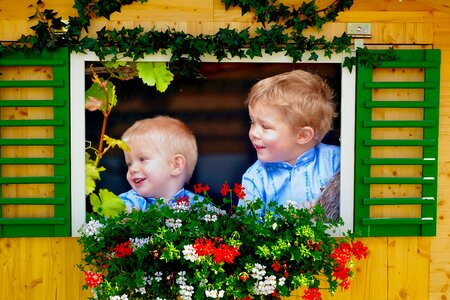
{"x":59,"y":223}
{"x":425,"y":225}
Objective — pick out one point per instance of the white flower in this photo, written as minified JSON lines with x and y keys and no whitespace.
{"x":173,"y":224}
{"x":281,"y":281}
{"x":189,"y":253}
{"x":180,"y":206}
{"x":92,"y":228}
{"x":141,"y":290}
{"x":139,"y":242}
{"x":123,"y":297}
{"x":266,"y":286}
{"x":186,"y":292}
{"x":210,"y":218}
{"x":274,"y":226}
{"x":214,"y":294}
{"x":158,"y":276}
{"x":258,"y":271}
{"x":292,"y":203}
{"x":180,"y":279}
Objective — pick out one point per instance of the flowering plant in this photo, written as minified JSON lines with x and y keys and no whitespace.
{"x":196,"y":251}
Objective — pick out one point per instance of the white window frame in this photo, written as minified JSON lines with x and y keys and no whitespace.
{"x":77,"y":124}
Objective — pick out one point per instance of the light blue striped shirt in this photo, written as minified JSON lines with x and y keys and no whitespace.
{"x":302,"y":183}
{"x":133,"y":201}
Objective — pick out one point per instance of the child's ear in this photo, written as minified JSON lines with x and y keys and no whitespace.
{"x":305,"y":135}
{"x":178,"y":164}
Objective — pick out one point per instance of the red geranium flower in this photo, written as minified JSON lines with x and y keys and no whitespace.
{"x":225,"y":189}
{"x":225,"y":253}
{"x":93,"y":279}
{"x":346,"y":284}
{"x":199,"y":188}
{"x":123,"y":249}
{"x":203,"y":247}
{"x":239,"y":190}
{"x":276,"y":266}
{"x":312,"y":294}
{"x":182,"y":200}
{"x":359,"y":250}
{"x":244,"y":277}
{"x":342,"y":254}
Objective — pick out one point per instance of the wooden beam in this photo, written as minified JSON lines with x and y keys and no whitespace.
{"x":440,"y":5}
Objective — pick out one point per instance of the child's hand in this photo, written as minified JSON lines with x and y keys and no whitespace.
{"x":310,"y":204}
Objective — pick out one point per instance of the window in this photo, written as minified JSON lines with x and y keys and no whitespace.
{"x":222,"y":95}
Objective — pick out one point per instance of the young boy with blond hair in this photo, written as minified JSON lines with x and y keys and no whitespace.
{"x":161,"y":160}
{"x":290,"y":114}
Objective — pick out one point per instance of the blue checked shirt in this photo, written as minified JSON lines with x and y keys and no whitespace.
{"x":133,"y":201}
{"x":302,"y":183}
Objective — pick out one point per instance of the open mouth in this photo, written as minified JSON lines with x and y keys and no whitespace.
{"x":138,"y":180}
{"x":258,"y":147}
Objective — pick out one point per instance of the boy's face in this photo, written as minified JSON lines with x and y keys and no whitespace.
{"x":149,"y":172}
{"x":272,"y":136}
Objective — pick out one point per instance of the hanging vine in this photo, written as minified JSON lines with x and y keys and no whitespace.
{"x":282,"y":30}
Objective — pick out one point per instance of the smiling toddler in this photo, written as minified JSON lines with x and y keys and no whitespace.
{"x":290,"y":113}
{"x":161,"y":160}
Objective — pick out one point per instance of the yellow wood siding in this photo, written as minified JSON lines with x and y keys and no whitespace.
{"x":397,"y":268}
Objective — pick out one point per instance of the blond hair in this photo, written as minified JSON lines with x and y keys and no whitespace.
{"x":170,"y":136}
{"x":304,"y":98}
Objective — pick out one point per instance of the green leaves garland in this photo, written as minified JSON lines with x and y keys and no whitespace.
{"x":281,"y":31}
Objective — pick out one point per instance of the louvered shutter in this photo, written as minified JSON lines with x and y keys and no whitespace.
{"x":35,"y":150}
{"x":422,"y":185}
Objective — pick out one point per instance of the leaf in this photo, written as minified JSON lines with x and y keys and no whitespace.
{"x":92,"y":174}
{"x":115,"y":142}
{"x":107,"y":204}
{"x":114,"y":65}
{"x":98,"y":93}
{"x":155,"y":73}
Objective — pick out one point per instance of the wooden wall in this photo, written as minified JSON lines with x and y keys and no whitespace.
{"x":397,"y":268}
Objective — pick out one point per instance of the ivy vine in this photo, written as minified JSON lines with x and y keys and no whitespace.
{"x":282,"y":30}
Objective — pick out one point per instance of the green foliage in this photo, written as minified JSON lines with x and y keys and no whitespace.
{"x":101,"y":96}
{"x":107,"y":204}
{"x":92,"y":173}
{"x":155,"y":74}
{"x":281,"y":31}
{"x":182,"y":251}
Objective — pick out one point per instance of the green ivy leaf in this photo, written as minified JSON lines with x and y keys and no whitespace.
{"x":155,"y":73}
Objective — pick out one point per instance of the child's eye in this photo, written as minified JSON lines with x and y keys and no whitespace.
{"x":264,"y":126}
{"x":143,"y":158}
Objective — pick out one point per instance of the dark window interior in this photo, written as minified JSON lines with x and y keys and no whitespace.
{"x":214,"y":109}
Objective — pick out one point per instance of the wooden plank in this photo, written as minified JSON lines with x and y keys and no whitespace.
{"x":40,"y":268}
{"x":408,"y":261}
{"x":163,"y":10}
{"x":372,"y":16}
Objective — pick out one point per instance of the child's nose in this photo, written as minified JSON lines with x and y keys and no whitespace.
{"x":132,"y":168}
{"x":254,"y":132}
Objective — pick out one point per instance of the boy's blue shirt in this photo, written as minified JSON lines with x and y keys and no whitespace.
{"x":282,"y":182}
{"x":133,"y":201}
